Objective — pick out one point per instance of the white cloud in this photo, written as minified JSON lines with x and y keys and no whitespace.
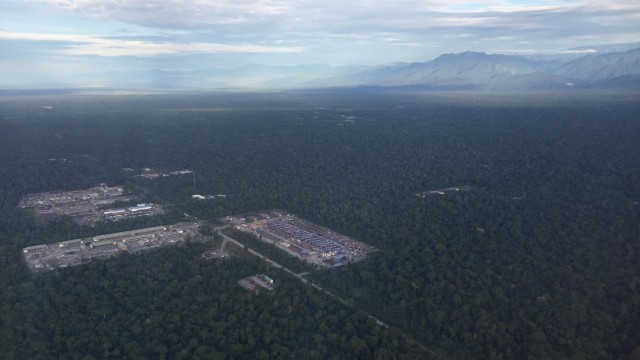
{"x":87,"y":45}
{"x":258,"y":20}
{"x":578,"y":51}
{"x":178,"y":13}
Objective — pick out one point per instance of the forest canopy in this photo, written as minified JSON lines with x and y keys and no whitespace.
{"x":539,"y":259}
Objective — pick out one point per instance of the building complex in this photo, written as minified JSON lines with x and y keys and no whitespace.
{"x":78,"y":251}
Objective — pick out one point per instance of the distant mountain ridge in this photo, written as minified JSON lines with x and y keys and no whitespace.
{"x":463,"y":71}
{"x":482,"y":71}
{"x":467,"y":67}
{"x":602,"y":67}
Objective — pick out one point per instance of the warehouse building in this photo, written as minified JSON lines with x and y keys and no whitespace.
{"x":130,"y":233}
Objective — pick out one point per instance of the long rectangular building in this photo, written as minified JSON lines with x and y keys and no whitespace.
{"x":70,"y":242}
{"x":128,"y":233}
{"x":34,"y":248}
{"x":101,"y":243}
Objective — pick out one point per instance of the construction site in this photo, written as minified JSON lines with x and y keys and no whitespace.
{"x":80,"y":251}
{"x":88,"y":206}
{"x":303,"y":239}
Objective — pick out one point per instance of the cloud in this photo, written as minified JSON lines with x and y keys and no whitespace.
{"x":184,"y":13}
{"x":62,"y":38}
{"x":178,"y":13}
{"x":536,"y":51}
{"x":336,"y":31}
{"x":578,"y":51}
{"x":88,"y":45}
{"x":419,"y":21}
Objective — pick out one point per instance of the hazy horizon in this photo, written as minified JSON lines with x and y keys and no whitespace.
{"x":65,"y":43}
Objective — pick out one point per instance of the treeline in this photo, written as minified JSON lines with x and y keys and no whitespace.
{"x":169,"y":303}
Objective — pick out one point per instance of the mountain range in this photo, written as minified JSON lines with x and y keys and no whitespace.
{"x":480,"y":71}
{"x":461,"y":71}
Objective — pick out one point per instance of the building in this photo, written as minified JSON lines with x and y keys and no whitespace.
{"x":101,"y":243}
{"x":74,"y":242}
{"x":113,"y":211}
{"x":140,"y":207}
{"x":129,"y":233}
{"x":34,"y":248}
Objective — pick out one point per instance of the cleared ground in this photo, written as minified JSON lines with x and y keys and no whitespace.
{"x":87,"y":206}
{"x":300,"y":238}
{"x":80,"y":251}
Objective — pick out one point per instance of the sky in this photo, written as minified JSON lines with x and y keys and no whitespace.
{"x":65,"y":42}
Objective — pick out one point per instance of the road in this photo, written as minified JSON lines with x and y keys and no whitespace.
{"x":306,"y":282}
{"x":273,"y":263}
{"x":297,"y":276}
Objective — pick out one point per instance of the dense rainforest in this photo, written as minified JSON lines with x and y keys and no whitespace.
{"x":538,"y":259}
